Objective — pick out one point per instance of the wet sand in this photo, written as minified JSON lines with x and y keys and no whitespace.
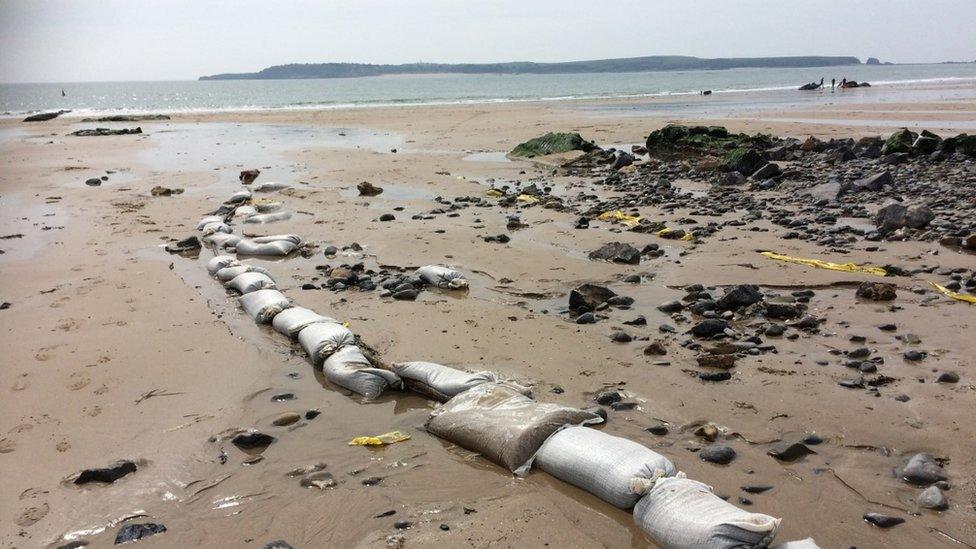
{"x":118,"y":350}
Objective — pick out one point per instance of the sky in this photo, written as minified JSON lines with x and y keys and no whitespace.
{"x":119,"y":40}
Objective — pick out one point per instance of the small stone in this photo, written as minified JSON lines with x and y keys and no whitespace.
{"x":278,"y":544}
{"x":714,"y":376}
{"x":923,"y":469}
{"x":948,"y":377}
{"x":659,"y":430}
{"x":406,"y":295}
{"x":586,"y":318}
{"x":621,"y":337}
{"x":710,"y":327}
{"x":608,"y":397}
{"x":252,"y":440}
{"x":932,"y":498}
{"x":723,"y":362}
{"x":108,"y":474}
{"x":913,"y":355}
{"x":445,"y":527}
{"x":756,"y":488}
{"x":318,"y":479}
{"x":286,"y":418}
{"x":656,"y":348}
{"x":387,"y":217}
{"x":883,"y":521}
{"x":93,"y":182}
{"x":786,"y":451}
{"x":135,"y":532}
{"x":670,"y":307}
{"x":812,"y":439}
{"x":402,"y":524}
{"x":876,"y":291}
{"x":717,"y":453}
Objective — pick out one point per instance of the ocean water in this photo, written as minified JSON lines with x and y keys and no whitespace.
{"x":90,"y":98}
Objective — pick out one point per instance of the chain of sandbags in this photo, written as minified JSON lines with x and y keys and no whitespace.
{"x":479,"y":412}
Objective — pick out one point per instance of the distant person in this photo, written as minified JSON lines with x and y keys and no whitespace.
{"x":833,"y":81}
{"x":62,"y":92}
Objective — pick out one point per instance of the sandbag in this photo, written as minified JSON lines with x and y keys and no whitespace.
{"x":347,"y":367}
{"x":229,"y":273}
{"x":251,"y":282}
{"x":601,"y":464}
{"x":807,"y":543}
{"x":680,"y":512}
{"x":207,"y":220}
{"x":502,"y":424}
{"x":270,"y":187}
{"x":292,"y":321}
{"x":442,"y":277}
{"x":278,"y":248}
{"x":441,"y":382}
{"x":268,"y":218}
{"x":245,"y":211}
{"x":239,"y":197}
{"x":263,"y":305}
{"x":222,"y":240}
{"x":293,"y":238}
{"x":264,"y":205}
{"x":215,"y":227}
{"x":219,"y":262}
{"x":322,"y":339}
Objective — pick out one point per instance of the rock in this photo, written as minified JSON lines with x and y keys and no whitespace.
{"x":787,"y":451}
{"x":656,"y":348}
{"x":918,"y":216}
{"x":286,"y":418}
{"x":98,"y":132}
{"x":93,"y":182}
{"x":252,"y":440}
{"x":589,"y":296}
{"x":622,"y":301}
{"x":714,"y":376}
{"x":812,"y":439}
{"x":318,"y":479}
{"x":781,"y":311}
{"x":164,"y":191}
{"x":899,"y":142}
{"x":883,"y":521}
{"x":717,"y":453}
{"x":617,"y":252}
{"x":621,"y":337}
{"x":247,"y":177}
{"x":44,"y":116}
{"x":670,"y":307}
{"x":744,"y":161}
{"x":586,"y":318}
{"x":659,"y":430}
{"x":923,"y":469}
{"x":913,"y":355}
{"x":409,"y":294}
{"x":135,"y":532}
{"x":188,"y":244}
{"x":608,"y":397}
{"x":368,"y":189}
{"x":932,"y":498}
{"x":756,"y":488}
{"x":709,"y":327}
{"x":387,"y":217}
{"x":723,"y":362}
{"x":876,"y":291}
{"x":768,"y":171}
{"x":108,"y":474}
{"x":278,"y":544}
{"x":948,"y":377}
{"x":874,"y":182}
{"x":552,"y":143}
{"x":826,"y":191}
{"x":742,"y":295}
{"x":926,"y":143}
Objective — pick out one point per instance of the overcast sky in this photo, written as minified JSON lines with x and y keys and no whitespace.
{"x":90,"y":40}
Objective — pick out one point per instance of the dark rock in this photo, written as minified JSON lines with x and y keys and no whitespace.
{"x":246,"y":177}
{"x":670,"y":307}
{"x":368,"y":189}
{"x":876,"y":291}
{"x":409,"y":294}
{"x":387,"y":217}
{"x":948,"y":377}
{"x":812,"y":439}
{"x":108,"y":474}
{"x":552,"y":143}
{"x":932,"y":498}
{"x":923,"y":469}
{"x":767,"y":171}
{"x":252,"y":440}
{"x":741,"y":295}
{"x":278,"y":544}
{"x":786,"y":451}
{"x":586,"y":318}
{"x":744,"y":161}
{"x":723,"y":362}
{"x":659,"y":430}
{"x":188,"y":244}
{"x":98,"y":132}
{"x":608,"y":397}
{"x":135,"y":532}
{"x":913,"y":355}
{"x":717,"y":453}
{"x":709,"y":327}
{"x":617,"y":252}
{"x":589,"y":296}
{"x":874,"y":182}
{"x":621,"y":301}
{"x":756,"y":488}
{"x":781,"y":311}
{"x":621,"y":337}
{"x":93,"y":182}
{"x":656,"y":348}
{"x":44,"y":116}
{"x":899,"y":142}
{"x":714,"y":376}
{"x":883,"y":521}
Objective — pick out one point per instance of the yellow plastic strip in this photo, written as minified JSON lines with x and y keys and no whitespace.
{"x":494,"y":193}
{"x":617,"y":215}
{"x":380,"y":440}
{"x":846,"y":267}
{"x":687,"y":237}
{"x":527,"y":198}
{"x":954,"y":295}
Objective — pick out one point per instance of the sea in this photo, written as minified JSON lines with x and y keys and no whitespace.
{"x":168,"y":97}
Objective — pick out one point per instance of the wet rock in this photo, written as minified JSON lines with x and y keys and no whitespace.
{"x":621,"y":301}
{"x":552,"y":143}
{"x":932,"y":498}
{"x":812,"y":439}
{"x":93,"y":182}
{"x":896,"y":215}
{"x":639,"y":321}
{"x":756,"y":488}
{"x":744,"y":161}
{"x":368,"y":189}
{"x":99,"y":132}
{"x":948,"y":377}
{"x":714,"y":376}
{"x":723,"y":362}
{"x":387,"y":217}
{"x":136,"y":532}
{"x":586,"y":318}
{"x":589,"y":296}
{"x":883,"y":521}
{"x":617,"y":252}
{"x":709,"y":327}
{"x":409,"y":294}
{"x":659,"y":430}
{"x":164,"y":191}
{"x":286,"y":418}
{"x":656,"y":348}
{"x":874,"y":182}
{"x":252,"y":440}
{"x":717,"y":453}
{"x":44,"y":116}
{"x":913,"y":355}
{"x":188,"y":244}
{"x":108,"y":474}
{"x":282,"y":397}
{"x":742,"y":295}
{"x":608,"y":397}
{"x":781,"y":311}
{"x":923,"y":469}
{"x":876,"y":291}
{"x":670,"y":307}
{"x":787,"y":451}
{"x":246,"y":177}
{"x":621,"y":337}
{"x":278,"y":544}
{"x":318,"y":479}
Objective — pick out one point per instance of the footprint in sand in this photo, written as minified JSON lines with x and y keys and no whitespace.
{"x":6,"y":445}
{"x":57,"y":304}
{"x":80,"y":381}
{"x":63,"y":446}
{"x":20,"y":384}
{"x":94,"y":411}
{"x":32,"y":515}
{"x":68,"y":325}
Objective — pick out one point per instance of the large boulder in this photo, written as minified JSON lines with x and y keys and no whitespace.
{"x":926,"y":143}
{"x":744,"y":161}
{"x":899,"y":142}
{"x":552,"y":143}
{"x":965,"y":144}
{"x":896,"y":215}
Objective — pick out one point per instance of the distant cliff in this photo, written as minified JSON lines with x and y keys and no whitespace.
{"x":631,"y":64}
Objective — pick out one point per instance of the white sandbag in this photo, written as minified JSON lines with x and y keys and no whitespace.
{"x":322,"y":339}
{"x":245,"y":211}
{"x":263,"y":305}
{"x":296,"y":319}
{"x":442,"y":277}
{"x":263,"y":205}
{"x":207,"y":220}
{"x":270,"y":187}
{"x":268,"y":218}
{"x":680,"y":512}
{"x":219,"y":262}
{"x":441,"y":381}
{"x":251,"y":282}
{"x":294,"y":238}
{"x":222,"y":241}
{"x":502,"y":424}
{"x":277,"y":248}
{"x":601,"y":464}
{"x":215,"y":227}
{"x":348,"y":368}
{"x":798,"y":544}
{"x":229,"y":273}
{"x":239,"y":197}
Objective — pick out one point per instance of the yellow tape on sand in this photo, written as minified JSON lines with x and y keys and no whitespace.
{"x":380,"y":440}
{"x":527,"y":199}
{"x":494,"y":193}
{"x":621,"y":217}
{"x":687,"y":237}
{"x":954,"y":295}
{"x":846,"y":267}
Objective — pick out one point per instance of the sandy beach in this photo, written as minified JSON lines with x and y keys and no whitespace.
{"x":116,"y":349}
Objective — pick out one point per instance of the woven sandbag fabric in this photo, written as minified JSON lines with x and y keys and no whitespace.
{"x":263,"y":305}
{"x":292,"y":321}
{"x":601,"y":464}
{"x":442,"y":381}
{"x":322,"y":339}
{"x":349,"y":368}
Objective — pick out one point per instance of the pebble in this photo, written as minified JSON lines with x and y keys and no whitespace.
{"x":135,"y":532}
{"x":932,"y":498}
{"x":948,"y":377}
{"x":717,"y":453}
{"x":621,"y":337}
{"x":923,"y":469}
{"x":286,"y":418}
{"x":913,"y":355}
{"x":786,"y":451}
{"x":883,"y":521}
